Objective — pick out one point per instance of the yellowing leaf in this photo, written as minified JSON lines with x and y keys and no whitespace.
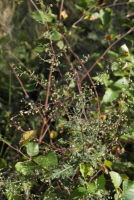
{"x":64,"y":14}
{"x":26,"y":137}
{"x":86,"y":169}
{"x":108,"y":163}
{"x":87,"y":17}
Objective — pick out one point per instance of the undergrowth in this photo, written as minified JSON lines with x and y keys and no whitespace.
{"x":71,"y":142}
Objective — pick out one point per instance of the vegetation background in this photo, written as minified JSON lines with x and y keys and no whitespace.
{"x":66,"y":99}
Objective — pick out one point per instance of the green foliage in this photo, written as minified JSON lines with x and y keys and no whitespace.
{"x":67,"y":71}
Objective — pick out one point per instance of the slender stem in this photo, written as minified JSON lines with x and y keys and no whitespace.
{"x":61,"y":7}
{"x":80,"y":62}
{"x":16,"y":149}
{"x":34,"y":5}
{"x":88,"y":71}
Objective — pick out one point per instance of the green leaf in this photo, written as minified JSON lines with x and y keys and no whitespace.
{"x":105,"y":16}
{"x":32,"y":149}
{"x":79,"y":192}
{"x":128,"y":136}
{"x":3,"y":163}
{"x":82,"y":4}
{"x":25,"y":168}
{"x":1,"y":137}
{"x":90,"y":187}
{"x":43,"y":17}
{"x":60,"y":44}
{"x":113,"y":53}
{"x":86,"y":169}
{"x":27,"y":186}
{"x":124,"y":177}
{"x":101,"y":182}
{"x":48,"y":160}
{"x":110,"y":95}
{"x":103,"y":79}
{"x":39,"y":49}
{"x":129,"y":37}
{"x":128,"y":190}
{"x":121,"y":83}
{"x":55,"y":35}
{"x":108,"y":163}
{"x":38,"y":15}
{"x":116,"y":179}
{"x":11,"y":196}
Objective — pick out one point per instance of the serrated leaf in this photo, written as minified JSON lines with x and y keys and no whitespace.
{"x":110,"y":95}
{"x":48,"y":160}
{"x":116,"y":179}
{"x":32,"y":149}
{"x":128,"y":190}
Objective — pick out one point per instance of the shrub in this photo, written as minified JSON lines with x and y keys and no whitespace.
{"x":73,"y":140}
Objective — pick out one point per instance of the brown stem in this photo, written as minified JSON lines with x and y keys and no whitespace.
{"x":61,"y":7}
{"x":16,"y":149}
{"x":80,"y":62}
{"x":79,"y":20}
{"x":88,"y":71}
{"x":34,"y":5}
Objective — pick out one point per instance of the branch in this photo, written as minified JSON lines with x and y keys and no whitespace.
{"x":80,"y":62}
{"x":87,"y":73}
{"x":61,"y":7}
